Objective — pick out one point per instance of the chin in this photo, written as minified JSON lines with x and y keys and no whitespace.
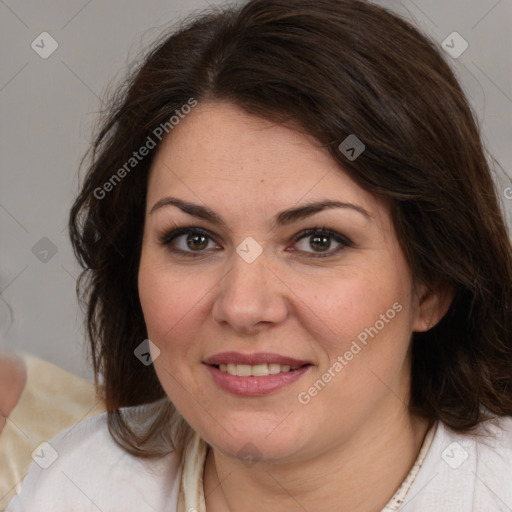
{"x":254,"y":441}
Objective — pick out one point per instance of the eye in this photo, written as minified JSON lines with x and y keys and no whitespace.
{"x":187,"y":241}
{"x":320,"y":240}
{"x":194,"y":241}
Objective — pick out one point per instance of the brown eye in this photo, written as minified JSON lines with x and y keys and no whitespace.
{"x":187,"y":241}
{"x":194,"y":241}
{"x":320,"y":241}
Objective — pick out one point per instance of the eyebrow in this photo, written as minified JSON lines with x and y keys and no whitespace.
{"x":283,"y":218}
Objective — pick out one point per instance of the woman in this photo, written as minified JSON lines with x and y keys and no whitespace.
{"x":298,"y":278}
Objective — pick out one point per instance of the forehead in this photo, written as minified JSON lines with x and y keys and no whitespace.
{"x":218,"y":152}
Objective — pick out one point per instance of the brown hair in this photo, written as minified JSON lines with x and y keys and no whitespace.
{"x":334,"y":68}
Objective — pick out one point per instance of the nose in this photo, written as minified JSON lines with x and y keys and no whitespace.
{"x":251,"y":297}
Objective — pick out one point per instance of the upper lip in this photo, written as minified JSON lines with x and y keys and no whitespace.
{"x":252,"y":359}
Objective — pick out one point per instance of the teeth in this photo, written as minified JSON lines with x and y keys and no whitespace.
{"x":243,"y":370}
{"x":274,"y":368}
{"x":257,"y":370}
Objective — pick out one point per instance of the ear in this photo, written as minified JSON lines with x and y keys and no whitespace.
{"x":431,"y":307}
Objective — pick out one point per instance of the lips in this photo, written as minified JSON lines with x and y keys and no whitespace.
{"x":254,"y":374}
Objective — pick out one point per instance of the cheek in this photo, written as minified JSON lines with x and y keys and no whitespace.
{"x":161,"y":294}
{"x":354,"y":306}
{"x":361,"y":325}
{"x":173,"y":304}
{"x":156,"y":302}
{"x":168,"y":311}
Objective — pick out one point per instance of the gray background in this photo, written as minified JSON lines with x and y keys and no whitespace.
{"x":48,"y":107}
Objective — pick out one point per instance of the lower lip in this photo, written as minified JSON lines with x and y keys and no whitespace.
{"x":255,"y":386}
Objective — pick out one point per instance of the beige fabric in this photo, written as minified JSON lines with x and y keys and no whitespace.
{"x":191,"y":493}
{"x":52,"y":400}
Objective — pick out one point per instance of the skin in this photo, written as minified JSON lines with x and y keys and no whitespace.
{"x":357,"y":433}
{"x":13,"y":377}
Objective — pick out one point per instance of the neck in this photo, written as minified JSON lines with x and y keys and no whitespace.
{"x":377,"y":458}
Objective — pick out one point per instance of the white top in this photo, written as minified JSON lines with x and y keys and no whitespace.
{"x":82,"y":470}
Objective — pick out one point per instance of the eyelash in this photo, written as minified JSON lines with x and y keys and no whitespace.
{"x":168,"y":237}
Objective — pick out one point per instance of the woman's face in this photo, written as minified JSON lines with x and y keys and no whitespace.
{"x":254,"y":283}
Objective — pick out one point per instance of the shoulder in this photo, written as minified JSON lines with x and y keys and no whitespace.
{"x":84,"y":469}
{"x":493,"y":474}
{"x":466,"y":471}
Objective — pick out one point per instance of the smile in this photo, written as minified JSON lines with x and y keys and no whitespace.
{"x":229,"y":378}
{"x":257,"y":370}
